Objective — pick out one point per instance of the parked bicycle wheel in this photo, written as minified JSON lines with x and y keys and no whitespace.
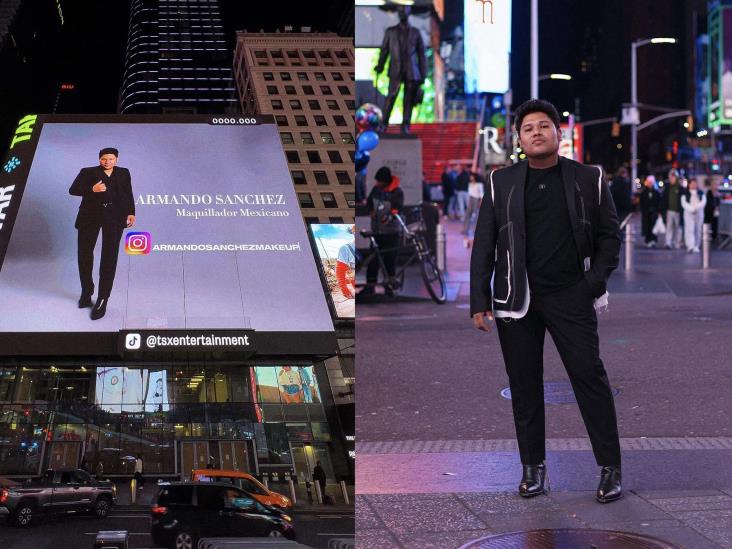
{"x":433,"y":279}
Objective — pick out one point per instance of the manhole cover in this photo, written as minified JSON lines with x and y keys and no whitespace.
{"x":569,"y":539}
{"x":555,"y":392}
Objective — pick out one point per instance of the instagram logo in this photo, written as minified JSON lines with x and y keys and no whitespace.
{"x":138,"y":243}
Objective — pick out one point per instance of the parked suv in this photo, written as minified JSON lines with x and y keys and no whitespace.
{"x":183,"y":512}
{"x":57,"y":491}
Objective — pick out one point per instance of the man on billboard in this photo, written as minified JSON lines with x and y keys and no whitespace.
{"x":545,"y":244}
{"x":107,"y":205}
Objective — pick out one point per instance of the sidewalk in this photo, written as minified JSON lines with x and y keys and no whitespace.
{"x":437,"y":459}
{"x":146,"y":495}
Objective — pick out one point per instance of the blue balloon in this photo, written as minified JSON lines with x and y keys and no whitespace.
{"x":368,"y":140}
{"x":362,"y":160}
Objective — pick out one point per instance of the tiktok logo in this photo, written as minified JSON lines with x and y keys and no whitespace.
{"x":484,"y":2}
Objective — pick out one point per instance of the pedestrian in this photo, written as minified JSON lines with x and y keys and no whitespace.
{"x":622,"y":194}
{"x":545,"y":244}
{"x":475,"y":195}
{"x":447,"y":183}
{"x":319,"y":477}
{"x":461,"y":191}
{"x":693,"y":201}
{"x":650,"y":201}
{"x":385,"y":200}
{"x":138,"y":472}
{"x":99,"y":471}
{"x":426,"y":190}
{"x":711,"y":210}
{"x":671,"y":207}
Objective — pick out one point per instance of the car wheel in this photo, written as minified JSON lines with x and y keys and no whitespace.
{"x":101,"y":508}
{"x":184,"y":540}
{"x":24,"y":515}
{"x":274,"y":533}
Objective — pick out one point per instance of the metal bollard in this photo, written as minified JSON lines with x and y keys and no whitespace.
{"x":318,"y":493}
{"x":133,"y":490}
{"x":441,"y":244}
{"x":345,"y":492}
{"x":265,"y":481}
{"x":706,"y":244}
{"x":293,"y":497}
{"x":628,"y":247}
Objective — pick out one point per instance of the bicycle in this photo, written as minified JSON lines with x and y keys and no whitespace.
{"x":416,"y":246}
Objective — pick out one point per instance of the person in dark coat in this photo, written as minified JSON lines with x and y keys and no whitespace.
{"x":385,"y":200}
{"x":107,"y":205}
{"x":448,"y":190}
{"x":622,"y":193}
{"x":711,"y":210}
{"x":319,"y":477}
{"x":650,"y":203}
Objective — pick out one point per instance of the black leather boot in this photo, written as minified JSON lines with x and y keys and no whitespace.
{"x":100,"y":308}
{"x":533,"y":481}
{"x":609,"y":488}
{"x":85,"y":301}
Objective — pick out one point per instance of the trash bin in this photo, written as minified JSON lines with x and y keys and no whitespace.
{"x":112,"y":539}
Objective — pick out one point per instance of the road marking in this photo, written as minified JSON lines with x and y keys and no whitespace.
{"x":339,"y":535}
{"x":335,"y":516}
{"x":128,"y":533}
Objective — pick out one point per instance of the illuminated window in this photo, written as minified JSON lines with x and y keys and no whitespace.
{"x":320,"y":76}
{"x":347,"y":139}
{"x":327,"y":137}
{"x":307,"y":138}
{"x":329,"y":200}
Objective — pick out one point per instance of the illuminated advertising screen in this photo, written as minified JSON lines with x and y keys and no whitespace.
{"x":192,"y":224}
{"x":120,"y":389}
{"x":287,"y":385}
{"x":487,"y":45}
{"x":336,"y":245}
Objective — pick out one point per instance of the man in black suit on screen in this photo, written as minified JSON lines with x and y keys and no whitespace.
{"x":107,"y":205}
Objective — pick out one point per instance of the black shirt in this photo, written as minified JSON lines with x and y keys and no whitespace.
{"x":552,"y":261}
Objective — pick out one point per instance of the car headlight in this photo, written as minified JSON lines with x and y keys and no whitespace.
{"x":288,"y":518}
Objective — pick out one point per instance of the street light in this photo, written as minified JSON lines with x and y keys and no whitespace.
{"x":634,"y":99}
{"x":555,"y":76}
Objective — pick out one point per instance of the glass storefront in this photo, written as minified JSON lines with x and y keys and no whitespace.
{"x":177,"y":417}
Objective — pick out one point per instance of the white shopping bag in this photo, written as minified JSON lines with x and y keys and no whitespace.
{"x":659,"y":228}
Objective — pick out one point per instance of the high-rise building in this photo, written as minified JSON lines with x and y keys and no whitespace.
{"x":177,"y":59}
{"x":306,"y":81}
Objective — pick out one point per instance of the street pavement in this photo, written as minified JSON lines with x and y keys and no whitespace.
{"x":437,"y":460}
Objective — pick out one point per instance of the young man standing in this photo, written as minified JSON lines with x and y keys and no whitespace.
{"x":545,"y":244}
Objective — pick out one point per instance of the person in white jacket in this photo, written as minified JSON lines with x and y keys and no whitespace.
{"x":693,"y":202}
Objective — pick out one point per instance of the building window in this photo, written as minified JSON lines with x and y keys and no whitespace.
{"x":347,"y":139}
{"x":260,"y":54}
{"x":335,"y":219}
{"x":332,"y":104}
{"x":343,"y":178}
{"x":350,"y":104}
{"x":298,"y":177}
{"x":350,"y":199}
{"x":335,"y":157}
{"x":286,"y":138}
{"x":325,"y":90}
{"x":308,"y":90}
{"x":320,"y":120}
{"x":314,"y":104}
{"x":341,"y":54}
{"x":281,"y":120}
{"x":292,"y":156}
{"x":314,"y":157}
{"x":309,"y":54}
{"x":325,"y":54}
{"x":268,"y":76}
{"x":285,"y":76}
{"x":302,"y":76}
{"x":307,"y":138}
{"x":290,"y":90}
{"x":339,"y":120}
{"x":272,"y":90}
{"x":277,"y":104}
{"x":277,"y":54}
{"x":301,"y":120}
{"x":327,"y":137}
{"x":292,"y":54}
{"x":344,"y":90}
{"x":338,"y":77}
{"x":321,"y":178}
{"x":295,"y":105}
{"x":311,"y":220}
{"x":329,"y":200}
{"x":306,"y":200}
{"x":320,"y":77}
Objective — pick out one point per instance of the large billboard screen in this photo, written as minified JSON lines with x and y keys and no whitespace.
{"x":487,"y":45}
{"x":120,"y":389}
{"x":196,"y":226}
{"x":336,"y":245}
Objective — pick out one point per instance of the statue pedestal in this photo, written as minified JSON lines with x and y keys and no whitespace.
{"x":403,"y":155}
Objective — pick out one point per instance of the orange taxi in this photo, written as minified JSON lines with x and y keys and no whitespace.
{"x":246,"y":482}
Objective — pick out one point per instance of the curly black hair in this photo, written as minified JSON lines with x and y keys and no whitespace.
{"x":535,"y":105}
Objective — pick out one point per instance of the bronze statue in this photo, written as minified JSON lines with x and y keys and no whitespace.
{"x":408,"y":65}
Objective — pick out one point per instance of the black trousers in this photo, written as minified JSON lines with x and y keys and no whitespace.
{"x":410,"y":95}
{"x":387,"y":245}
{"x":570,"y":317}
{"x":87,"y":238}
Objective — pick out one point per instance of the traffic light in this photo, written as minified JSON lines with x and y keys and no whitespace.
{"x":615,"y":131}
